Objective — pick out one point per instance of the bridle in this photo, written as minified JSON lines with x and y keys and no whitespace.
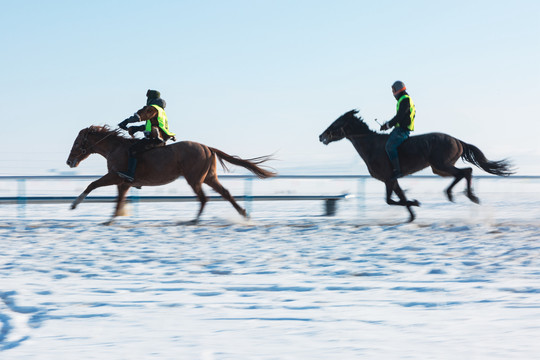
{"x":84,"y":149}
{"x":340,"y":131}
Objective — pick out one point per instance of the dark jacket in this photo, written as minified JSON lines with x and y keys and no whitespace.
{"x":149,"y":113}
{"x":403,"y":115}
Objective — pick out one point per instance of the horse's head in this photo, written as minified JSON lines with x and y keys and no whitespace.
{"x":347,"y":124}
{"x":85,"y":143}
{"x":79,"y":150}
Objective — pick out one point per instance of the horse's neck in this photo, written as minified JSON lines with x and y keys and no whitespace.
{"x":104,"y":147}
{"x":368,"y":146}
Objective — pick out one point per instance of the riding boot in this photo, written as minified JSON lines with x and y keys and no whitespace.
{"x":130,"y":173}
{"x":396,"y":170}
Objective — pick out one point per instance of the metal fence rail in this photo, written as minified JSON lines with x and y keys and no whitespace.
{"x":330,"y":200}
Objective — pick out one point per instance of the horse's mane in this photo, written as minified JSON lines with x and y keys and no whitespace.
{"x":357,"y":123}
{"x":106,"y":130}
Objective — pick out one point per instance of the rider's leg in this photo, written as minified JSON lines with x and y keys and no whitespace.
{"x":397,"y":137}
{"x":134,"y":151}
{"x":130,"y":173}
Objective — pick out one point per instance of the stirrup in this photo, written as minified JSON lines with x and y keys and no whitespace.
{"x":125,"y":176}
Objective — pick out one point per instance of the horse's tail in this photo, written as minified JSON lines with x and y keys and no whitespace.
{"x":475,"y":156}
{"x":250,"y":164}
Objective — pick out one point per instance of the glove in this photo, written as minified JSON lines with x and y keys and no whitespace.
{"x":134,"y":118}
{"x":132,"y":130}
{"x":385,"y":126}
{"x":123,"y":124}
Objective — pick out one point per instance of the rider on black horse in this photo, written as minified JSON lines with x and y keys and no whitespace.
{"x":403,"y":124}
{"x":156,"y":130}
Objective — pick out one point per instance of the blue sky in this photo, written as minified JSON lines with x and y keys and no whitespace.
{"x":260,"y":77}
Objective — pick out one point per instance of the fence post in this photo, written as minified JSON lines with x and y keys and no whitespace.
{"x":248,"y":190}
{"x":21,"y":197}
{"x":330,"y":207}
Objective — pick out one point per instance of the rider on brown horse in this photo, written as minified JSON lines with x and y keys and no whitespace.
{"x":403,"y":124}
{"x":156,"y":130}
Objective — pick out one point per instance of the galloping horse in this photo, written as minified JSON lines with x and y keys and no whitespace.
{"x":159,"y":166}
{"x":440,"y":151}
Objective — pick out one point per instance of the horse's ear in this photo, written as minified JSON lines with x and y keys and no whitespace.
{"x":352,"y":112}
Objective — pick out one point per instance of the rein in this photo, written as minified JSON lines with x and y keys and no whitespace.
{"x":344,"y":134}
{"x":85,"y":140}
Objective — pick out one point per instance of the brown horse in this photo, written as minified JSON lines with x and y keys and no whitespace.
{"x":440,"y":151}
{"x":159,"y":166}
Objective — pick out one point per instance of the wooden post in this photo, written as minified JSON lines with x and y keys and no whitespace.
{"x":330,"y":207}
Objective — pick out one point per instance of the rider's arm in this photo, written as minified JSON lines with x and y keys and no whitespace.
{"x":143,"y":114}
{"x":133,"y":129}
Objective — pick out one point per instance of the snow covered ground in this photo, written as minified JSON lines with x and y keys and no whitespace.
{"x":462,"y":282}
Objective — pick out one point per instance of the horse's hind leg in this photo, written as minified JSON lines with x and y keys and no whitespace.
{"x":197,"y":188}
{"x":212,"y":181}
{"x":458,"y":174}
{"x":469,"y":192}
{"x":194,"y":178}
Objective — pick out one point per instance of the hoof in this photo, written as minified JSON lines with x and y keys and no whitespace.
{"x":107,"y":223}
{"x":191,"y":222}
{"x":415,"y":203}
{"x":450,"y":196}
{"x":473,"y":198}
{"x":412,"y":216}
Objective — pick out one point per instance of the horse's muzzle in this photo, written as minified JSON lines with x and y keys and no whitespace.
{"x":324,"y":139}
{"x":72,"y":163}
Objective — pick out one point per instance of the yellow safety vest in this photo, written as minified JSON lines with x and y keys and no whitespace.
{"x":412,"y":110}
{"x":162,"y":122}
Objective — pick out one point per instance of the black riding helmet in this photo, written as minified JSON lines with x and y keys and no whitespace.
{"x":153,"y":97}
{"x":398,"y":87}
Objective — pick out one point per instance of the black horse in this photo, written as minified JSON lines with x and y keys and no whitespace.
{"x":440,"y":151}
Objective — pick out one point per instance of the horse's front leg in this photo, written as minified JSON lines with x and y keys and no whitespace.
{"x":393,"y":186}
{"x":120,"y":202}
{"x":105,"y":180}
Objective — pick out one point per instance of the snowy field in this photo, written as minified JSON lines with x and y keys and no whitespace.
{"x":461,"y":282}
